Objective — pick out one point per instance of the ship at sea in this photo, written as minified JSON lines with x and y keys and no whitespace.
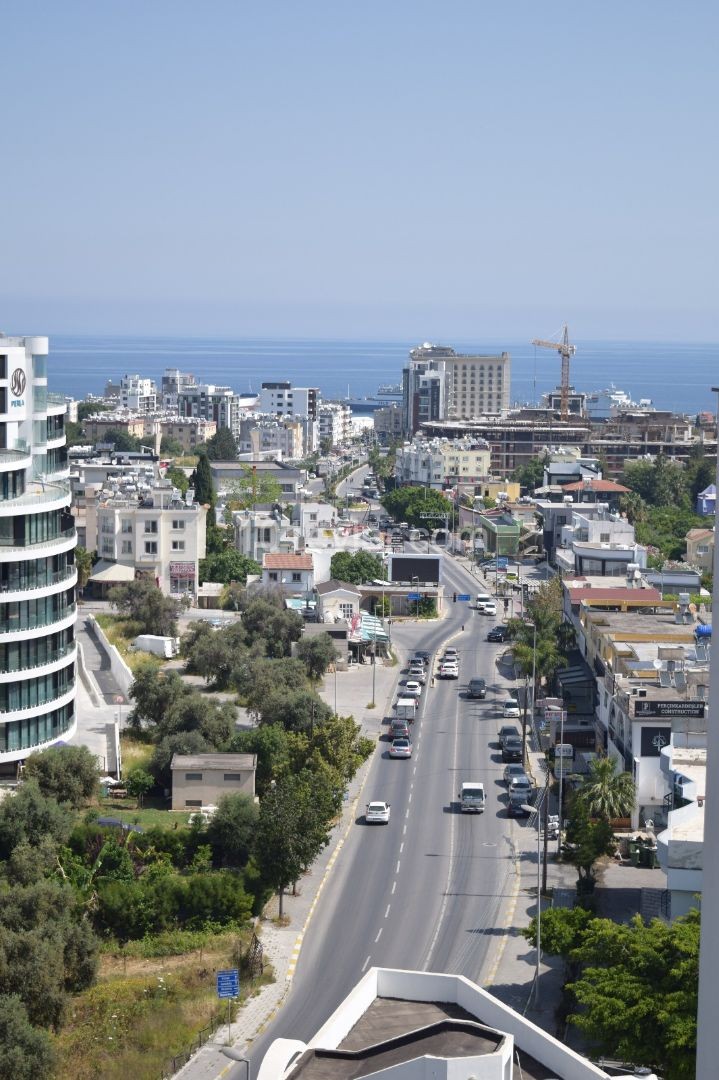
{"x":387,"y":394}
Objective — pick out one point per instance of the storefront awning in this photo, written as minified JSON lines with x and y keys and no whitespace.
{"x":110,"y":572}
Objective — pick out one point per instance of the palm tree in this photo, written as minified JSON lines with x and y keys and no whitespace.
{"x":83,"y":562}
{"x":606,"y":793}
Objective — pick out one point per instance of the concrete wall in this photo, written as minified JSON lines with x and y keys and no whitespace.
{"x":211,"y":788}
{"x":120,"y":671}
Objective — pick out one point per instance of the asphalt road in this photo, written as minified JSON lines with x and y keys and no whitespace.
{"x":426,"y":890}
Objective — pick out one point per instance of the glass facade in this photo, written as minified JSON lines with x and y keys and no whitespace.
{"x":40,"y":611}
{"x":28,"y":693}
{"x":27,"y":529}
{"x":34,"y":652}
{"x":12,"y":485}
{"x":39,"y":367}
{"x":26,"y":734}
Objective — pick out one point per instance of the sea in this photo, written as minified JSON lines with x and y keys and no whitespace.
{"x":676,"y":376}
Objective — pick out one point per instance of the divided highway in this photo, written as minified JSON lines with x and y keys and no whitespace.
{"x":421,"y":891}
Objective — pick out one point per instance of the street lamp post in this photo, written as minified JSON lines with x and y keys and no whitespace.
{"x":374,"y":662}
{"x":561,"y":782}
{"x":535,"y":810}
{"x":534,"y":675}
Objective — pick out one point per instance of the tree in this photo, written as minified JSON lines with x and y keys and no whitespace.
{"x":25,"y":1051}
{"x":122,"y":440}
{"x":222,"y":446}
{"x":292,"y":830}
{"x":298,"y":710}
{"x":269,"y":621}
{"x":232,"y":829}
{"x":144,"y":603}
{"x":317,"y":653}
{"x":660,"y":482}
{"x":30,"y":817}
{"x":178,"y":478}
{"x":201,"y":481}
{"x":636,"y":985}
{"x":226,"y":566}
{"x":257,"y":677}
{"x":138,"y":783}
{"x":253,"y":488}
{"x":91,"y":408}
{"x":184,"y":742}
{"x":530,"y":476}
{"x":356,"y":567}
{"x":66,"y":773}
{"x":83,"y":562}
{"x":700,"y":472}
{"x":587,"y":841}
{"x":410,"y":503}
{"x":171,"y":446}
{"x":606,"y":793}
{"x":275,"y":748}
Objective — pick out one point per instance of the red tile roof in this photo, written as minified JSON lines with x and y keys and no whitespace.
{"x":595,"y":485}
{"x":287,"y":562}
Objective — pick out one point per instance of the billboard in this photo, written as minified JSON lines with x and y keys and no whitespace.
{"x":665,"y":710}
{"x":414,"y":569}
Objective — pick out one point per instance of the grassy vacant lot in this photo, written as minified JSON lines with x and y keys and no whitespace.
{"x":145,"y":1009}
{"x":121,"y":633}
{"x":154,"y":812}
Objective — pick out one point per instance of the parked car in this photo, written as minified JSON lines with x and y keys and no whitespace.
{"x":497,"y":633}
{"x":377,"y":813}
{"x":512,"y":749}
{"x":520,"y":784}
{"x":508,"y":731}
{"x":400,"y":748}
{"x":477,"y":688}
{"x":412,"y":688}
{"x":512,"y":772}
{"x":511,"y":709}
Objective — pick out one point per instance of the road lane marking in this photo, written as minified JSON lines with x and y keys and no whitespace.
{"x":404,"y":830}
{"x":409,"y":798}
{"x":394,"y":886}
{"x":397,"y":870}
{"x":387,"y":911}
{"x":366,"y":963}
{"x":406,"y":813}
{"x":379,"y":935}
{"x":401,"y":847}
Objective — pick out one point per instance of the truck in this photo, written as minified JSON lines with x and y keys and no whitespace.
{"x":406,"y":709}
{"x":166,"y":647}
{"x":471,"y":797}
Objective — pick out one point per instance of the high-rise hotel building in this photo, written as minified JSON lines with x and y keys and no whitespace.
{"x":37,"y":558}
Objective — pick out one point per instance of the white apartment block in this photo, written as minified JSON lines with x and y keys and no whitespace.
{"x":335,"y":423}
{"x":284,"y":399}
{"x":263,"y":434}
{"x":37,"y":558}
{"x":260,"y":532}
{"x":440,"y":463}
{"x":137,"y":394}
{"x":150,"y":533}
{"x":173,"y":381}
{"x":602,"y":545}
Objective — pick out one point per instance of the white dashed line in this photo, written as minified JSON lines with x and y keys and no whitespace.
{"x":409,"y":797}
{"x":394,"y":886}
{"x":406,"y":813}
{"x":378,"y":936}
{"x":401,"y":847}
{"x":397,"y":870}
{"x":404,"y":830}
{"x":366,"y":963}
{"x":387,"y":911}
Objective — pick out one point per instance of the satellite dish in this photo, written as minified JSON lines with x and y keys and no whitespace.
{"x":657,"y":665}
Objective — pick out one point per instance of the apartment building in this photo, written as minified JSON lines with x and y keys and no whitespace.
{"x":442,"y":463}
{"x":601,"y":544}
{"x":284,"y":399}
{"x":143,"y":426}
{"x":218,"y":403}
{"x":37,"y":558}
{"x":440,"y":384}
{"x":259,"y":532}
{"x":137,"y":394}
{"x":388,"y":425}
{"x":335,"y":423}
{"x":189,"y":431}
{"x":267,"y":434}
{"x":146,"y":531}
{"x":700,"y":549}
{"x":173,"y":381}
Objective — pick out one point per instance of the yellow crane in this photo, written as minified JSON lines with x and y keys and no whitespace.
{"x":565,"y":350}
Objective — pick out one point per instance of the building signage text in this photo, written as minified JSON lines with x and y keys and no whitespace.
{"x":668,"y":709}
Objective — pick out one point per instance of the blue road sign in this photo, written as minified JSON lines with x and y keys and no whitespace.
{"x":228,"y":983}
{"x":463,"y":596}
{"x":413,"y":596}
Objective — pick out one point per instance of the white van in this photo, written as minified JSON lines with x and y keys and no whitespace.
{"x":482,"y":599}
{"x":471,"y":798}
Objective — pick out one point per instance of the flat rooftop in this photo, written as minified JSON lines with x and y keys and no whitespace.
{"x":627,"y":624}
{"x":394,"y":1030}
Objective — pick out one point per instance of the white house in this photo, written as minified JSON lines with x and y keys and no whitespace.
{"x":337,"y":601}
{"x":293,"y":574}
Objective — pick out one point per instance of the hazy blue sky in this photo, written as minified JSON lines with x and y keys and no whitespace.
{"x":383,"y":168}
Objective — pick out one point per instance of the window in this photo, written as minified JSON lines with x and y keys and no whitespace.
{"x":127,"y":547}
{"x":347,"y":610}
{"x":193,"y":802}
{"x":178,"y":545}
{"x":151,"y":527}
{"x":296,"y":575}
{"x":127,"y":526}
{"x":193,"y":776}
{"x":230,"y":777}
{"x":273,"y":575}
{"x":178,"y":523}
{"x":151,"y":547}
{"x":604,"y":538}
{"x":107,"y":547}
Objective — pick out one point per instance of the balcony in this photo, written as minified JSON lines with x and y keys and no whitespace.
{"x":42,"y":667}
{"x":11,"y":591}
{"x":15,"y":459}
{"x":64,"y":540}
{"x":28,"y":625}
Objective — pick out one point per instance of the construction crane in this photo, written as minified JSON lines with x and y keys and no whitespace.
{"x":565,"y":350}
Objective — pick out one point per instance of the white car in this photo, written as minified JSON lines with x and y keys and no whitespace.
{"x":489,"y":607}
{"x":377,"y":813}
{"x":412,"y":688}
{"x":511,"y":709}
{"x":449,"y":671}
{"x":417,"y":673}
{"x":401,"y":748}
{"x":520,"y":784}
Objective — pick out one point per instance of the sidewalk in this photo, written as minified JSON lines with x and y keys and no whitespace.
{"x":282,"y":944}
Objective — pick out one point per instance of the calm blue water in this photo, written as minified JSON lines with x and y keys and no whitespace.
{"x":676,"y":376}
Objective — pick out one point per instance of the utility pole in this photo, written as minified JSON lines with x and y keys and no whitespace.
{"x":545,"y":815}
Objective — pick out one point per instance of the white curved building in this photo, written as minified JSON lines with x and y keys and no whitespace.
{"x":37,"y":558}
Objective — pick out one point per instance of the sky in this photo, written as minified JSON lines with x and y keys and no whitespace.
{"x":375,"y":170}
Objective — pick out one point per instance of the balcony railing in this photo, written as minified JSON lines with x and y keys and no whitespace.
{"x":61,"y":535}
{"x":45,"y":699}
{"x":49,"y":658}
{"x":14,"y":624}
{"x":27,"y":585}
